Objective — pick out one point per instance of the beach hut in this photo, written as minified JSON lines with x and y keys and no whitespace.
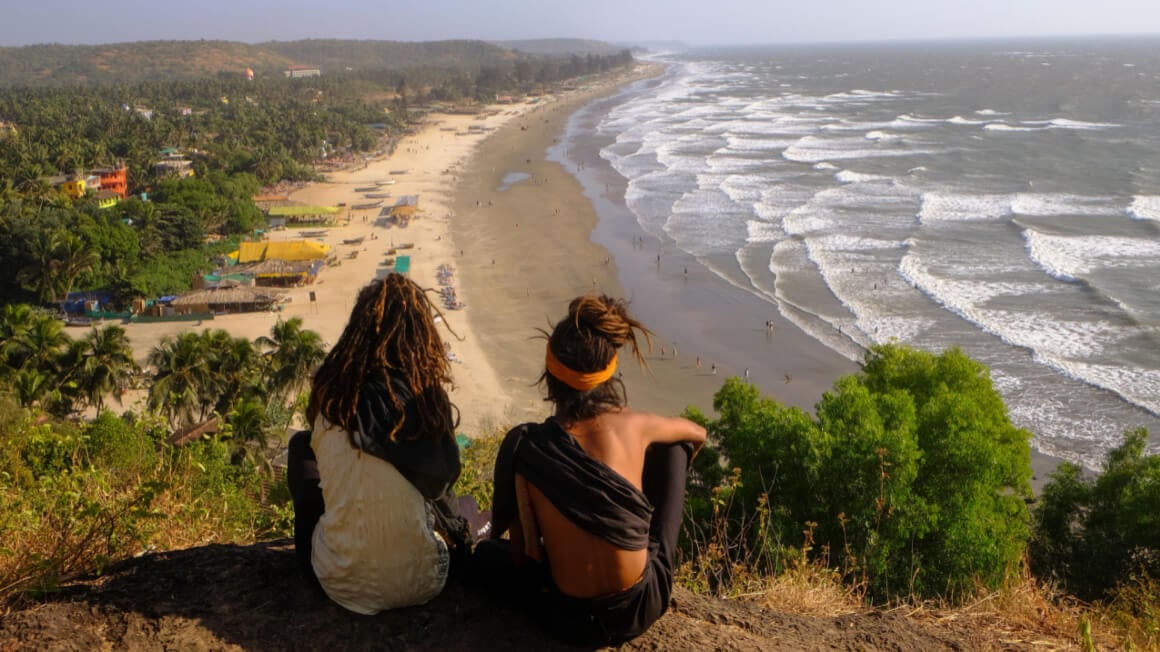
{"x":227,"y":297}
{"x":404,"y":209}
{"x":274,"y":272}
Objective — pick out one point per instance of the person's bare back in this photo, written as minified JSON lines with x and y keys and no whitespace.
{"x":591,"y":566}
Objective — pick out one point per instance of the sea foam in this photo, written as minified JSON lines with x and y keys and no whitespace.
{"x":1145,"y":207}
{"x":962,"y":207}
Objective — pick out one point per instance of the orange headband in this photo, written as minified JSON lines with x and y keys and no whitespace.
{"x":579,"y":381}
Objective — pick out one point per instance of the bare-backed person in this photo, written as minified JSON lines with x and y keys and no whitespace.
{"x":593,"y":496}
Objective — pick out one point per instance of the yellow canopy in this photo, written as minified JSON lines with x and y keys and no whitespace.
{"x":252,"y":252}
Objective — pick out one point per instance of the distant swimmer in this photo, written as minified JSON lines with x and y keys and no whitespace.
{"x":788,"y":378}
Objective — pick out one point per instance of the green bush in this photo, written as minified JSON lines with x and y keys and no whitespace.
{"x":120,"y":446}
{"x":1093,"y":534}
{"x":911,"y":480}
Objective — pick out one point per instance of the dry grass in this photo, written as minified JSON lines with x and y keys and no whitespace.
{"x":811,"y":591}
{"x":1025,"y":614}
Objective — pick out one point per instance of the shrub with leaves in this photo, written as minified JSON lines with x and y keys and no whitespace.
{"x":1093,"y":533}
{"x":910,"y":478}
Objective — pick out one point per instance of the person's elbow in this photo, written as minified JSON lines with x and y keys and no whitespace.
{"x":696,"y":433}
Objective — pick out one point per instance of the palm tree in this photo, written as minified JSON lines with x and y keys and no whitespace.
{"x":291,"y":354}
{"x":15,"y":322}
{"x":235,"y":365}
{"x":74,"y":257}
{"x":108,"y":365}
{"x":182,"y":378}
{"x":43,"y":343}
{"x":41,"y":274}
{"x":31,"y":385}
{"x":247,"y":424}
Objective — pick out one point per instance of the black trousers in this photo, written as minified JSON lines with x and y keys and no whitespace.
{"x":306,"y":494}
{"x":615,"y":618}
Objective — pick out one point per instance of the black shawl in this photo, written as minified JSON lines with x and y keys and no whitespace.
{"x":586,"y":491}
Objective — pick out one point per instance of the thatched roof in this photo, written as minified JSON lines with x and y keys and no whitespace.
{"x":272,"y":267}
{"x":240,"y":295}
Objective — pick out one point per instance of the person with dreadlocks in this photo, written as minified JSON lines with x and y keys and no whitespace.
{"x":374,"y":516}
{"x":593,"y":496}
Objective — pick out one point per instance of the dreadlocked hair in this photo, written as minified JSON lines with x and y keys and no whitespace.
{"x":585,"y":341}
{"x":391,"y":333}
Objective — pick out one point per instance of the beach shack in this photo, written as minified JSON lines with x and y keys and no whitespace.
{"x":304,"y":214}
{"x":404,"y":209}
{"x":275,"y":272}
{"x":227,"y":297}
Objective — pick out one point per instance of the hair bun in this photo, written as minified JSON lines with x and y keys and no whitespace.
{"x":603,"y":316}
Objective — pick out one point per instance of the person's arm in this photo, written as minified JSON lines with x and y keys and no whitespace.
{"x":657,"y":429}
{"x":504,"y":513}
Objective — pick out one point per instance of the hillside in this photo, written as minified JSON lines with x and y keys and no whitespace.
{"x":132,"y":62}
{"x":57,"y":65}
{"x":333,"y":55}
{"x":560,"y":46}
{"x":225,"y":597}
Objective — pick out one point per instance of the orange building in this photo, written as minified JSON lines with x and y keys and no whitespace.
{"x":115,"y":179}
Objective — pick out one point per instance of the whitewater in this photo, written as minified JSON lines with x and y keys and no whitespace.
{"x":999,"y":197}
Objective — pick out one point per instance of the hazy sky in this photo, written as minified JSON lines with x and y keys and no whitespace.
{"x":24,"y":22}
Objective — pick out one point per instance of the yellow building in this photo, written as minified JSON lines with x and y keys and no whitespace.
{"x":74,"y":187}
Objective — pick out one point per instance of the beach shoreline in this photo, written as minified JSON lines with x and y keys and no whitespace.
{"x":527,"y":223}
{"x":575,"y":235}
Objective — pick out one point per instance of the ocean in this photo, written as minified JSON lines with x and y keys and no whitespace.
{"x":998,"y":196}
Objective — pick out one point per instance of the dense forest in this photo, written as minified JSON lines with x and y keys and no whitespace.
{"x":239,"y":135}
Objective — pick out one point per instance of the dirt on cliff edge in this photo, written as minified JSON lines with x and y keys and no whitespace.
{"x":227,"y":597}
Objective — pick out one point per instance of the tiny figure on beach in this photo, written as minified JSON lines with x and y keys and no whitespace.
{"x":662,"y":351}
{"x":698,"y":362}
{"x":788,"y":378}
{"x":686,"y":272}
{"x":714,"y":369}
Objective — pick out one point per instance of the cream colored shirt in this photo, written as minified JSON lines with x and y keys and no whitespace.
{"x":374,"y":547}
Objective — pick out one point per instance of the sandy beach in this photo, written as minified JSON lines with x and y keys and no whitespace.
{"x":530,"y":240}
{"x":431,"y":164}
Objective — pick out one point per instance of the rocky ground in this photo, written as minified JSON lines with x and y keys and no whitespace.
{"x":227,"y":597}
